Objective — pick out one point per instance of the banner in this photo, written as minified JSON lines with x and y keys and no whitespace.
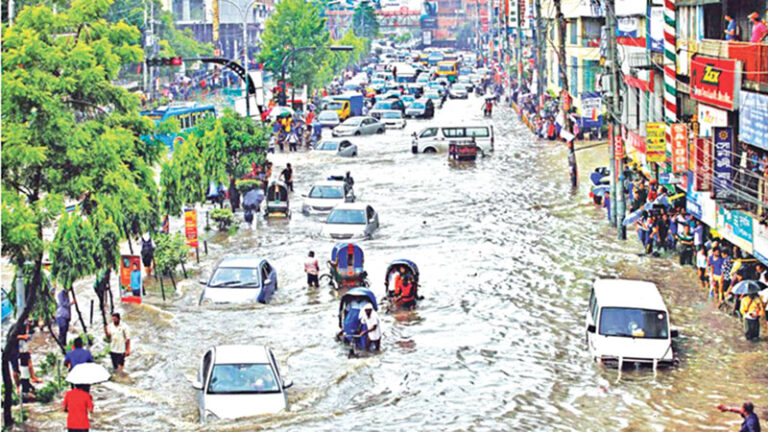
{"x":679,"y":134}
{"x":655,"y":142}
{"x":129,"y":264}
{"x":190,"y":227}
{"x":618,"y":146}
{"x":710,"y":117}
{"x":591,"y":110}
{"x":702,"y":165}
{"x":716,"y":81}
{"x":656,"y":32}
{"x":753,"y":119}
{"x":628,"y":27}
{"x":736,"y":227}
{"x":760,"y":242}
{"x":722,"y":170}
{"x":629,"y":7}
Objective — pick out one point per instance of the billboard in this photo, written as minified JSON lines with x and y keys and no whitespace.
{"x":753,"y":119}
{"x":716,"y":81}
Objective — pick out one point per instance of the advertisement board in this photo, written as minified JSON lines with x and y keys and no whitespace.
{"x":128,"y":264}
{"x":736,"y":227}
{"x":679,"y":135}
{"x":702,"y":165}
{"x":710,"y":117}
{"x":655,"y":142}
{"x":716,"y":81}
{"x":760,"y":241}
{"x":723,"y":164}
{"x":629,"y":7}
{"x":190,"y":227}
{"x":753,"y":119}
{"x":656,"y":31}
{"x":628,"y":27}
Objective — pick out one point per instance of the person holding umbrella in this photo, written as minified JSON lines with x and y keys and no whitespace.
{"x":752,"y":309}
{"x":251,"y":203}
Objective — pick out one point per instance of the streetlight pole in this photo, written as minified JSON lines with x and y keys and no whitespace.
{"x":244,"y":15}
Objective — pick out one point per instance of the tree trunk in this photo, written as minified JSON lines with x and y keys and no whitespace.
{"x":50,"y":329}
{"x":13,"y":333}
{"x":77,"y":308}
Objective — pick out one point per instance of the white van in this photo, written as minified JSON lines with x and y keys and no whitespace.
{"x":436,"y":139}
{"x":628,"y":322}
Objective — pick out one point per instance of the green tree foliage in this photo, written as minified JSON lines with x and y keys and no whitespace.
{"x":246,"y":142}
{"x":170,"y":252}
{"x":72,"y":249}
{"x":68,"y":134}
{"x":214,"y":152}
{"x":364,"y":21}
{"x":295,"y":24}
{"x":171,"y":199}
{"x":189,"y":162}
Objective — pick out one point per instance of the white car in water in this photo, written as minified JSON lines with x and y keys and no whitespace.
{"x":235,"y":381}
{"x":324,"y":196}
{"x":343,"y":148}
{"x":358,"y":126}
{"x":351,"y":221}
{"x":392,"y":119}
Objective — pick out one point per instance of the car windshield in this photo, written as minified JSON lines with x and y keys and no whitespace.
{"x":328,"y":115}
{"x":383,"y":105}
{"x":392,"y":115}
{"x":418,"y":105}
{"x":433,"y":95}
{"x":355,"y":121}
{"x":347,"y":217}
{"x":243,"y":379}
{"x":330,"y":192}
{"x":459,"y":87}
{"x":328,"y":145}
{"x":445,"y":68}
{"x":630,"y":322}
{"x":234,"y":277}
{"x":335,"y":105}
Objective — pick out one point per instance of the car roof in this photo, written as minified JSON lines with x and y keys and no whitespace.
{"x":329,"y":183}
{"x":241,"y":261}
{"x":628,"y":293}
{"x":232,"y":354}
{"x":351,"y":206}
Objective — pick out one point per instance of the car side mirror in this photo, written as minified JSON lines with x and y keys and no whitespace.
{"x":202,"y":282}
{"x":287,"y":383}
{"x":197,"y":385}
{"x":674,"y":333}
{"x":303,"y":195}
{"x":591,"y":328}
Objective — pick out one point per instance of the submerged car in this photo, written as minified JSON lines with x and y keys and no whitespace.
{"x":422,"y":108}
{"x":324,"y":196}
{"x":358,"y":126}
{"x":392,"y":119}
{"x":235,"y":381}
{"x":240,"y":279}
{"x":342,"y":148}
{"x":328,"y":118}
{"x":351,"y":221}
{"x":435,"y":97}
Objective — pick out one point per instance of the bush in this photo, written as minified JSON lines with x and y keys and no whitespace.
{"x":170,"y":251}
{"x":244,"y":186}
{"x":223,"y":218}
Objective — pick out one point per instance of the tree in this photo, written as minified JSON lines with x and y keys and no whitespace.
{"x":246,"y":142}
{"x":364,"y":21}
{"x":295,"y":24}
{"x":189,"y":162}
{"x":214,"y":152}
{"x":68,"y":133}
{"x":171,"y":199}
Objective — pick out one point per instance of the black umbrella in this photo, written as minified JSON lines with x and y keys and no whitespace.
{"x":748,"y":287}
{"x":253,"y":198}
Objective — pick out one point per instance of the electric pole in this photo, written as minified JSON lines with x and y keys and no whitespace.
{"x":540,"y":40}
{"x":613,"y":116}
{"x":565,"y":95}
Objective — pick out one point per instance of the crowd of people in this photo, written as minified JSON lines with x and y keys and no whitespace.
{"x":664,"y":227}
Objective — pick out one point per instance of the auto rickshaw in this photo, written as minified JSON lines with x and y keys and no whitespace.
{"x":277,"y":201}
{"x":345,"y":267}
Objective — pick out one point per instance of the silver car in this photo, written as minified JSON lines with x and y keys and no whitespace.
{"x":458,"y":91}
{"x":325,"y":195}
{"x":240,"y":279}
{"x":328,"y":118}
{"x":342,"y":148}
{"x":351,"y":221}
{"x":358,"y":126}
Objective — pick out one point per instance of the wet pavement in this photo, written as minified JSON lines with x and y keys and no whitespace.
{"x":507,"y":255}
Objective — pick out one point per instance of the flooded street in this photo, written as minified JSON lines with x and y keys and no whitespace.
{"x":507,"y":255}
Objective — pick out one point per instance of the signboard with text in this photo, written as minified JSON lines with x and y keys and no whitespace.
{"x":128,"y":264}
{"x":716,"y":81}
{"x":753,"y":119}
{"x":655,"y":142}
{"x":702,"y":165}
{"x":722,"y":170}
{"x":710,"y":117}
{"x":736,"y":227}
{"x":190,"y":227}
{"x":679,"y":134}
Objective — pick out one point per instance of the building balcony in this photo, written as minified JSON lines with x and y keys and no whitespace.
{"x":753,"y":56}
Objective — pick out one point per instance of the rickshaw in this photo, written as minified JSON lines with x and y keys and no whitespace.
{"x":462,"y":150}
{"x":350,"y":307}
{"x":277,"y":201}
{"x":345,"y":267}
{"x":411,"y":273}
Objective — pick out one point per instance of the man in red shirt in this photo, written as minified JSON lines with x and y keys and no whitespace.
{"x":77,"y":404}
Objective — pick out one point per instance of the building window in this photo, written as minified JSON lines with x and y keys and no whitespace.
{"x":591,"y":70}
{"x":574,"y":78}
{"x":591,"y":32}
{"x":573,"y":29}
{"x":197,"y":10}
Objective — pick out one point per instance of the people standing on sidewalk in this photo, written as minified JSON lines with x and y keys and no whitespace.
{"x":63,"y":315}
{"x":686,"y":246}
{"x":77,"y":404}
{"x":119,"y":342}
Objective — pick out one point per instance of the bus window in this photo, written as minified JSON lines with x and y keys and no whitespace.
{"x":480,"y":132}
{"x":454,"y":132}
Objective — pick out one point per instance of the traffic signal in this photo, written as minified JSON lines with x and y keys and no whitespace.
{"x":169,"y":61}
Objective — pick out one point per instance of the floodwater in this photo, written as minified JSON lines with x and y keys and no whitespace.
{"x":507,"y":255}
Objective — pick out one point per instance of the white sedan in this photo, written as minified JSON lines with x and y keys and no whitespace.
{"x":392,"y":119}
{"x":235,"y":381}
{"x":342,"y":148}
{"x":324,"y":196}
{"x":458,"y":91}
{"x":358,"y":126}
{"x":351,"y":221}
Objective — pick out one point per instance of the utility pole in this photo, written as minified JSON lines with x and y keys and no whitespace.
{"x":565,"y":93}
{"x":540,"y":41}
{"x":151,"y":38}
{"x":613,"y":117}
{"x":490,"y":32}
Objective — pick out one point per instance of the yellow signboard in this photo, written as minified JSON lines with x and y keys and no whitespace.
{"x":655,"y":142}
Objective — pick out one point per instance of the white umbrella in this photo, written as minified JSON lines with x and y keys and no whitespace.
{"x":87,"y":374}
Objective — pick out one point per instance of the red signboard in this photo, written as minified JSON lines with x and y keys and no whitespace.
{"x":636,"y":142}
{"x":679,"y":134}
{"x":716,"y":81}
{"x":640,"y":83}
{"x":190,"y":227}
{"x":702,"y":169}
{"x":128,"y":264}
